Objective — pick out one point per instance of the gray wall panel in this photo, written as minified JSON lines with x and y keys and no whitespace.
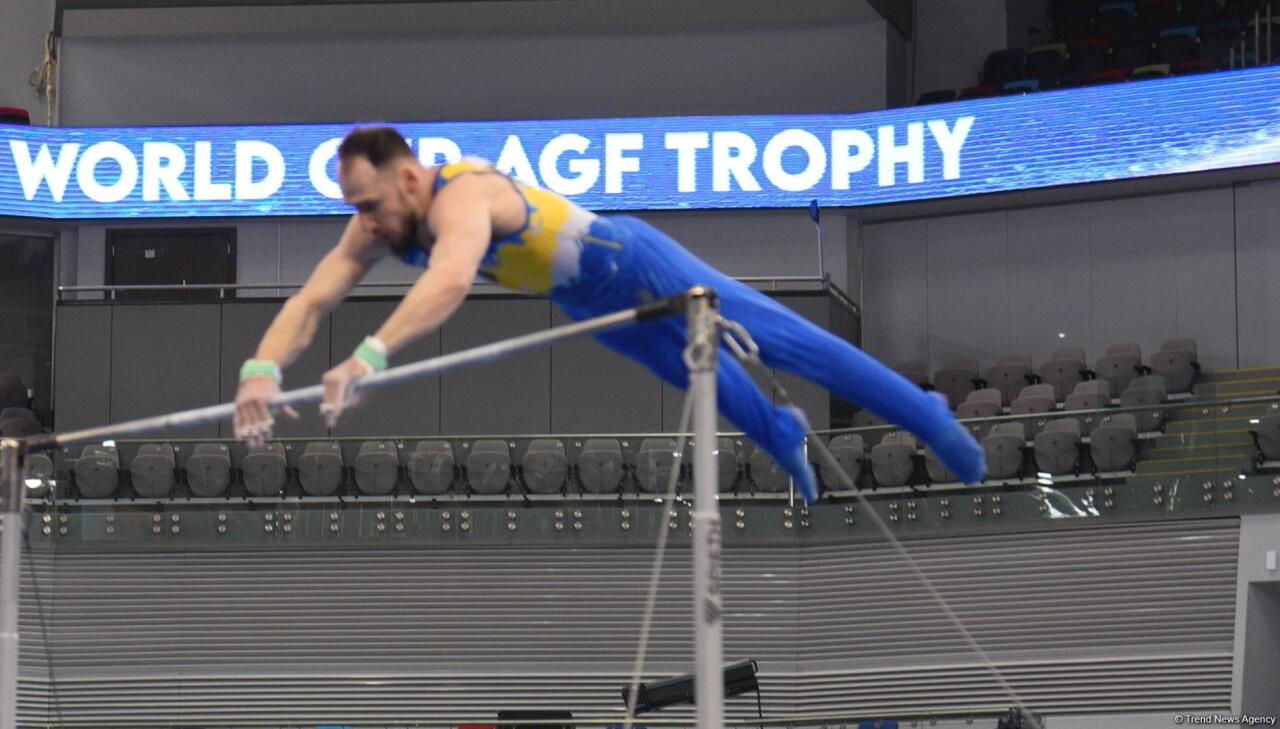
{"x":82,"y":375}
{"x":1257,"y":209}
{"x":596,"y":390}
{"x":1048,"y":280}
{"x":164,"y":358}
{"x":511,"y":396}
{"x":243,"y":325}
{"x":896,"y":290}
{"x":409,"y":409}
{"x":968,"y":286}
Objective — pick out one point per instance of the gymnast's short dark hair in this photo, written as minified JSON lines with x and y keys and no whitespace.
{"x":379,"y":145}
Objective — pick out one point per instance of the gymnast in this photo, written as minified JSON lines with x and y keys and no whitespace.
{"x":466,"y":218}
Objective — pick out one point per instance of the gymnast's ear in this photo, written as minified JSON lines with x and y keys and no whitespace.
{"x":409,"y":176}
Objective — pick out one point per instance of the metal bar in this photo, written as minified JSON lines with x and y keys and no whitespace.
{"x":707,"y":609}
{"x":365,"y":284}
{"x":10,"y":562}
{"x":404,"y":373}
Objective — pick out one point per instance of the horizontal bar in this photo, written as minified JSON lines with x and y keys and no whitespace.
{"x":395,"y":375}
{"x":363,"y":284}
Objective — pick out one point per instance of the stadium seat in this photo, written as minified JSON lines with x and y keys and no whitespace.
{"x":1156,"y":14}
{"x":1071,"y":23}
{"x":265,"y":470}
{"x":1144,"y":391}
{"x":377,"y":467}
{"x":936,"y":97}
{"x":656,"y":461}
{"x":1118,"y":367}
{"x":848,"y":451}
{"x":1046,"y":61}
{"x":728,"y":463}
{"x":915,"y":371}
{"x":1089,"y":395}
{"x":893,"y":460}
{"x":937,"y":470}
{"x":600,"y":466}
{"x":1026,"y":404}
{"x":13,"y":394}
{"x":865,"y":419}
{"x":1021,"y":86}
{"x":17,"y":412}
{"x":957,"y":378}
{"x":1217,"y":40}
{"x":97,"y":471}
{"x":209,"y":469}
{"x":1005,"y":447}
{"x":1115,"y":18}
{"x":1177,"y":366}
{"x":432,"y":467}
{"x":1009,"y":375}
{"x":1001,"y":67}
{"x":40,"y":467}
{"x":320,"y":469}
{"x":1180,"y":343}
{"x":765,"y":473}
{"x":545,"y":466}
{"x":1110,"y":76}
{"x":1200,"y":13}
{"x":1150,"y":71}
{"x":1266,"y":437}
{"x":1195,"y":65}
{"x":983,"y":403}
{"x":1089,"y":56}
{"x":981,"y":91}
{"x":1057,"y":447}
{"x":151,"y":470}
{"x":1175,"y":45}
{"x":1064,"y":370}
{"x":489,"y":466}
{"x":1114,"y":443}
{"x":20,"y":427}
{"x":1132,"y":50}
{"x":1063,"y":81}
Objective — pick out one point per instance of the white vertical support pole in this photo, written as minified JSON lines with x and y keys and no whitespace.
{"x":10,"y":564}
{"x":700,"y":357}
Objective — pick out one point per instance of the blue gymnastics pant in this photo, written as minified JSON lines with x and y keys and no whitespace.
{"x":647,"y":264}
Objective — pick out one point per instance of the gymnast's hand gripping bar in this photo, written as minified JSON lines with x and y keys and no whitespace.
{"x":486,"y":353}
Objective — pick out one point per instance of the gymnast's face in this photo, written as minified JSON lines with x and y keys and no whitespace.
{"x":384,"y":199}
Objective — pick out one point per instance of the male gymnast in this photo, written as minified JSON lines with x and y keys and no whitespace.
{"x":466,"y":218}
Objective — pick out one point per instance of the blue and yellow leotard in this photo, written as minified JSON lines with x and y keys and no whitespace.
{"x":545,"y":254}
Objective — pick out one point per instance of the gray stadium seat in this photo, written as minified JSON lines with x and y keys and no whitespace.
{"x":209,"y":469}
{"x":431,"y":467}
{"x":377,"y":467}
{"x":1029,"y":404}
{"x":728,"y":463}
{"x":265,"y":470}
{"x":17,"y":412}
{"x":848,"y":451}
{"x":766,"y":474}
{"x":1118,"y":369}
{"x":1057,"y":447}
{"x":1188,"y":343}
{"x":545,"y":466}
{"x":987,"y":394}
{"x":1102,"y":388}
{"x":978,"y":409}
{"x":865,"y":419}
{"x":1267,"y":436}
{"x":1005,"y":448}
{"x":151,"y":470}
{"x":656,"y":459}
{"x":1009,"y":375}
{"x":1146,"y":390}
{"x":97,"y":471}
{"x":938,"y":472}
{"x":1064,"y":370}
{"x":957,"y":378}
{"x":893,"y":460}
{"x":489,"y":466}
{"x":600,"y":466}
{"x":38,"y":466}
{"x":1087,"y":401}
{"x":320,"y":469}
{"x":1129,"y":348}
{"x":1114,"y":443}
{"x":1044,"y":389}
{"x":20,"y":427}
{"x":1177,"y":366}
{"x":916,"y":372}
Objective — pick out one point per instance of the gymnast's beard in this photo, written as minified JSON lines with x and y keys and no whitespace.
{"x":408,"y":240}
